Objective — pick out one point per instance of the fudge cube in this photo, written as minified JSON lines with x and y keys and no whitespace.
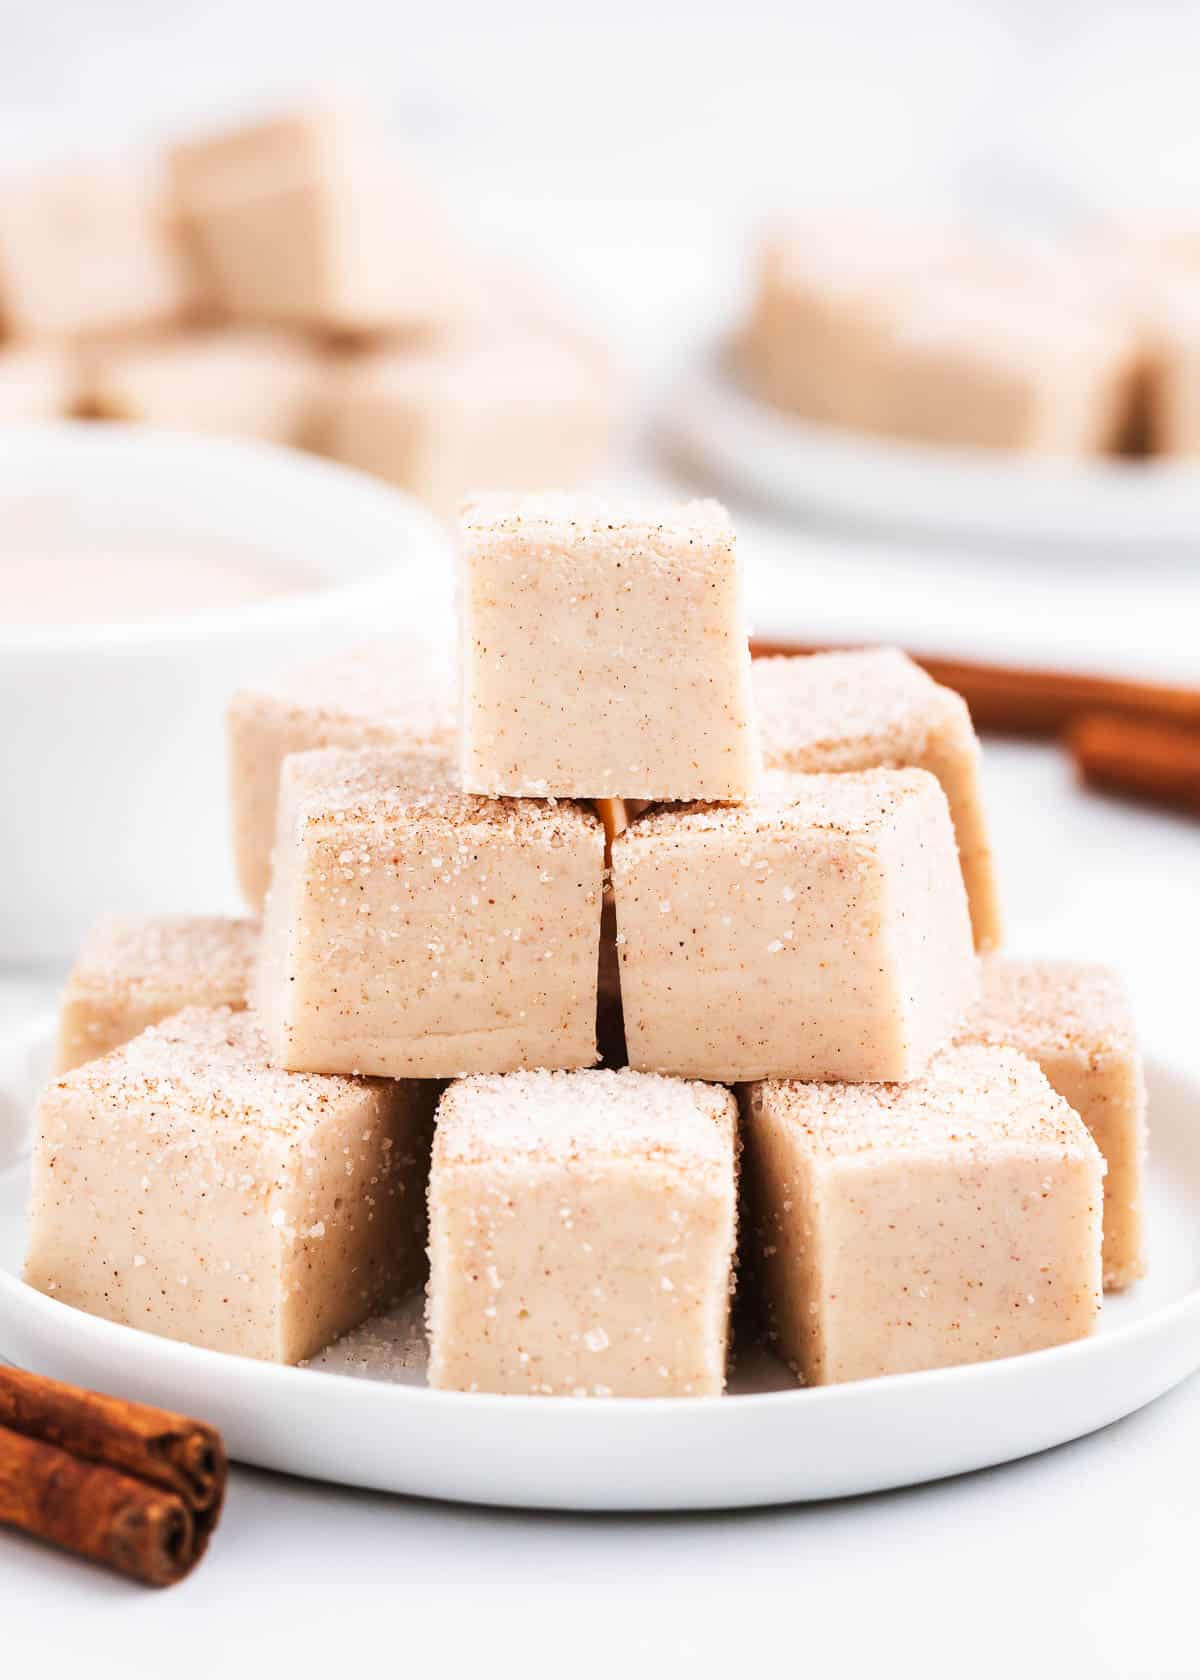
{"x":821,"y":933}
{"x":1173,"y":385}
{"x":815,"y":342}
{"x":244,"y":383}
{"x":1074,"y":1020}
{"x":582,"y":1234}
{"x":184,"y":1186}
{"x":302,"y":220}
{"x":876,"y":709}
{"x":413,"y":930}
{"x":604,"y":651}
{"x":992,"y":369}
{"x":85,"y":250}
{"x":135,"y":971}
{"x":396,"y":692}
{"x":37,"y":382}
{"x":440,"y":419}
{"x":906,"y":1227}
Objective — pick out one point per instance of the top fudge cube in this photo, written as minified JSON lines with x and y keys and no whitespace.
{"x":876,"y":709}
{"x":397,"y":693}
{"x":604,"y":651}
{"x":303,"y":220}
{"x":85,"y":250}
{"x":415,"y":931}
{"x":820,"y":933}
{"x":1073,"y":1019}
{"x":135,"y":971}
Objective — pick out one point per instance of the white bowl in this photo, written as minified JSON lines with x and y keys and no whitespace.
{"x":113,"y":755}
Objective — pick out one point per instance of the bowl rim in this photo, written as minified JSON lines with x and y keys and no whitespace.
{"x":382,"y":514}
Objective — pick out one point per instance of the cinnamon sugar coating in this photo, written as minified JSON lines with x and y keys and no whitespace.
{"x":582,"y":1235}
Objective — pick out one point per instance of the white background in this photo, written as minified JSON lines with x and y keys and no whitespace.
{"x":630,"y":154}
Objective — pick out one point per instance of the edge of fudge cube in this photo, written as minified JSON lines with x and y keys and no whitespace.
{"x":820,"y":932}
{"x":632,"y":614}
{"x":397,"y":692}
{"x":582,"y":1234}
{"x":1075,"y":1021}
{"x":910,"y":1227}
{"x":134,"y":971}
{"x":859,"y":709}
{"x":183,"y":1185}
{"x":392,"y":942}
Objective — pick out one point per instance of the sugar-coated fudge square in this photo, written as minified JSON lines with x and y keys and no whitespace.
{"x":304,"y":220}
{"x":244,"y":382}
{"x":396,"y":692}
{"x":1073,"y":1019}
{"x":37,"y":382}
{"x":415,"y":931}
{"x":1173,"y":385}
{"x":439,"y":419}
{"x":604,"y":651}
{"x":135,"y":971}
{"x":819,"y":933}
{"x":86,"y":250}
{"x":877,"y":709}
{"x":582,"y":1232}
{"x":994,"y":369}
{"x":183,"y":1185}
{"x":906,"y":1227}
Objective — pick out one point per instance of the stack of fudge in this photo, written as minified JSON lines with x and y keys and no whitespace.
{"x":290,"y":281}
{"x":762,"y":895}
{"x":1071,"y":349}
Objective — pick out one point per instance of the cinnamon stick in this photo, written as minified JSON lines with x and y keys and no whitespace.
{"x":1020,"y":700}
{"x":130,"y":1485}
{"x":1151,"y":761}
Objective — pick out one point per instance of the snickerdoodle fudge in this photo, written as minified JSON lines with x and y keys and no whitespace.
{"x":582,"y":1235}
{"x":416,"y":931}
{"x":396,"y":692}
{"x":521,"y":409}
{"x":37,"y":382}
{"x":876,"y":709}
{"x":134,"y":971}
{"x":1073,"y":1019}
{"x":303,"y":220}
{"x":86,"y":249}
{"x":604,"y":651}
{"x":241,"y":382}
{"x":185,"y":1186}
{"x":905,"y":1227}
{"x":819,"y":933}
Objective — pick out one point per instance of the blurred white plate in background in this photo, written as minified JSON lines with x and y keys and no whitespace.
{"x":802,"y":466}
{"x":761,"y":1445}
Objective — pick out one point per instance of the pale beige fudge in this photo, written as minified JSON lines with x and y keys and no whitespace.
{"x":604,"y":651}
{"x":1171,"y":311}
{"x":134,"y":971}
{"x":825,"y":295}
{"x":820,"y":933}
{"x":582,"y":1235}
{"x":37,"y":382}
{"x":240,"y":382}
{"x":907,"y":1227}
{"x":303,"y":220}
{"x":995,"y":370}
{"x":876,"y":709}
{"x":440,"y":419}
{"x":413,"y":930}
{"x":397,"y":692}
{"x":1074,"y":1020}
{"x":86,"y":250}
{"x":184,"y":1186}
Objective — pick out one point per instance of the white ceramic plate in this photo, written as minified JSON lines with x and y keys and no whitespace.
{"x":810,"y":468}
{"x":767,"y":1443}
